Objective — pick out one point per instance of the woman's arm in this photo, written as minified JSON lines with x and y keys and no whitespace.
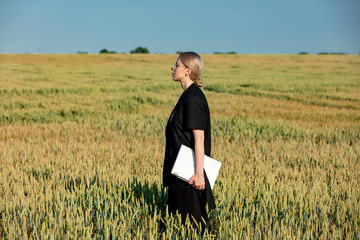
{"x":198,"y":180}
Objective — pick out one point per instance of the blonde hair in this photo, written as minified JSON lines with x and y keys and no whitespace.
{"x":193,"y":61}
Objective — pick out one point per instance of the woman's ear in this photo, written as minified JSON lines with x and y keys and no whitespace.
{"x":188,"y":71}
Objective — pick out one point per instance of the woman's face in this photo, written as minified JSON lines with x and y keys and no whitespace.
{"x":178,"y":70}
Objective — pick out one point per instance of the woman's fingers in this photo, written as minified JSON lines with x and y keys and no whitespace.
{"x":195,"y":183}
{"x":192,"y":181}
{"x":199,"y":187}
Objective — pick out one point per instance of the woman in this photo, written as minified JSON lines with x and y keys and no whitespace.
{"x":189,"y":124}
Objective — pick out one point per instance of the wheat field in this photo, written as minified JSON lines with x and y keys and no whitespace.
{"x":82,"y":141}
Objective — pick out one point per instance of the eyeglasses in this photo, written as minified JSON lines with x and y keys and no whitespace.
{"x":174,"y":66}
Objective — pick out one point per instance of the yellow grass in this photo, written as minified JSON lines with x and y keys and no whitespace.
{"x":82,"y":145}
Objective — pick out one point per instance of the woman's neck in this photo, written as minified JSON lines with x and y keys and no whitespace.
{"x":186,"y":84}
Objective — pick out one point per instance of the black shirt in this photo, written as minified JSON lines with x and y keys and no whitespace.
{"x":191,"y":112}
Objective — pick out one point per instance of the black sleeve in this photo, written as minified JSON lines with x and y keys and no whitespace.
{"x":195,"y":113}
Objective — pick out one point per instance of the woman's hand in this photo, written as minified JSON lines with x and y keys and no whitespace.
{"x":197,"y":181}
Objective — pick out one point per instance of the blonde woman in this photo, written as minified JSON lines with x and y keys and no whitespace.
{"x":189,"y":124}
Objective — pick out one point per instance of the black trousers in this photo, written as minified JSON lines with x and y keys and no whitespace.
{"x":189,"y":202}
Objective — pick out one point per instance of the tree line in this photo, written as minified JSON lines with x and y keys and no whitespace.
{"x":146,"y":51}
{"x":136,"y":50}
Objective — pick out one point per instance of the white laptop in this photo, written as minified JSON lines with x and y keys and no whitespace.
{"x":184,"y":166}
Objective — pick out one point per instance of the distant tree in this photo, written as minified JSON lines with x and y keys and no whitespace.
{"x":332,"y":53}
{"x":339,"y":53}
{"x":113,"y":52}
{"x":232,"y":52}
{"x":81,"y":52}
{"x":303,"y":53}
{"x":140,"y":50}
{"x":104,"y":50}
{"x":178,"y":52}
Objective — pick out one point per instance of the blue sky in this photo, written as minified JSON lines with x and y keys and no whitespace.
{"x":243,"y":26}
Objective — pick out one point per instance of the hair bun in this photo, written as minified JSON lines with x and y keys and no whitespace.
{"x":199,"y":82}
